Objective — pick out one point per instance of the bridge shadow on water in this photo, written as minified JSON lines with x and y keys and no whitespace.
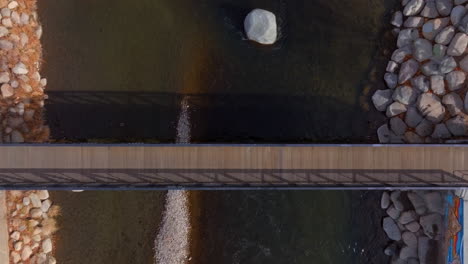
{"x":228,"y":179}
{"x":239,"y":118}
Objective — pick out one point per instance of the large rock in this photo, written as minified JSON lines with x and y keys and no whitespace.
{"x":260,"y":26}
{"x":457,"y":45}
{"x":432,"y":225}
{"x":412,"y":117}
{"x":458,"y":126}
{"x":393,"y":212}
{"x":421,"y":83}
{"x":407,"y":217}
{"x":422,"y":48}
{"x":457,"y":14}
{"x":430,"y":10}
{"x":385,"y":200}
{"x":407,"y":36}
{"x":430,"y":107}
{"x":418,"y":203}
{"x":424,"y":128}
{"x":455,"y":80}
{"x":445,"y":36}
{"x":438,"y":84}
{"x":408,"y":70}
{"x":444,"y":7}
{"x":413,"y":7}
{"x":397,"y":126}
{"x":432,"y":27}
{"x":391,"y":229}
{"x":405,"y":95}
{"x":434,"y":202}
{"x":400,"y":54}
{"x":382,"y":99}
{"x":453,"y":102}
{"x":441,"y":131}
{"x":391,"y":80}
{"x":395,"y":108}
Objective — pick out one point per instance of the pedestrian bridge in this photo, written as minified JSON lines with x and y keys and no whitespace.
{"x":133,"y":166}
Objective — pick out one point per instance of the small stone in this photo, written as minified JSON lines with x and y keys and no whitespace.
{"x":46,"y":205}
{"x":383,"y":134}
{"x":423,"y":48}
{"x":397,"y":125}
{"x":423,"y":249}
{"x":408,"y":70}
{"x":20,"y":69}
{"x":457,"y":14}
{"x":413,"y":22}
{"x":405,"y":95}
{"x":13,"y":5}
{"x":397,"y":19}
{"x":408,"y":252}
{"x":385,"y":200}
{"x":430,"y":107}
{"x":36,"y":202}
{"x":390,"y":250}
{"x":26,"y":253}
{"x":393,"y":212}
{"x":15,"y":256}
{"x":413,"y":7}
{"x":407,"y":36}
{"x":454,"y":103}
{"x":447,"y":64}
{"x":260,"y":26}
{"x":47,"y":245}
{"x":400,"y":54}
{"x":26,"y":201}
{"x":457,"y":45}
{"x":418,"y":203}
{"x":41,"y":258}
{"x":437,"y":84}
{"x":24,"y":19}
{"x":432,"y":225}
{"x":36,"y":213}
{"x":396,"y":200}
{"x":434,"y":202}
{"x":430,"y":10}
{"x":413,"y":138}
{"x":421,"y":83}
{"x":18,"y":245}
{"x":457,"y":126}
{"x":382,"y":99}
{"x":431,"y":68}
{"x":441,"y":131}
{"x":413,"y":227}
{"x":42,"y":194}
{"x":432,"y":27}
{"x":391,"y":229}
{"x":51,"y":260}
{"x":15,"y":235}
{"x":6,"y":45}
{"x":7,"y":90}
{"x":413,"y":118}
{"x":445,"y":35}
{"x":410,"y":239}
{"x":4,"y":77}
{"x":395,"y":108}
{"x":444,"y":7}
{"x":32,"y":223}
{"x":455,"y":80}
{"x":5,"y":12}
{"x":424,"y":128}
{"x":14,"y":84}
{"x":391,"y":80}
{"x":408,"y":217}
{"x":36,"y":238}
{"x":438,"y":52}
{"x":391,"y":66}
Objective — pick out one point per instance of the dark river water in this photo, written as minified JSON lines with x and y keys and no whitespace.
{"x":118,"y":71}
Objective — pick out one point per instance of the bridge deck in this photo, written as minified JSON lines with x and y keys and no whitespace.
{"x":232,"y":166}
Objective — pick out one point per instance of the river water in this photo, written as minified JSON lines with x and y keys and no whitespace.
{"x":119,"y":71}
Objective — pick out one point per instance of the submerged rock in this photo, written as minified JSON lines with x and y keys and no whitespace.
{"x":385,"y":200}
{"x":391,"y":229}
{"x":260,"y":26}
{"x":382,"y":99}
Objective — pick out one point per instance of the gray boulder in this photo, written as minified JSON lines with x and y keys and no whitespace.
{"x":397,"y":19}
{"x":400,"y":54}
{"x":431,"y":68}
{"x":393,"y":212}
{"x":439,"y":52}
{"x":407,"y":36}
{"x":424,"y":128}
{"x":447,"y":64}
{"x":391,"y":229}
{"x":430,"y":107}
{"x":463,"y":24}
{"x":395,"y":108}
{"x":413,"y":22}
{"x":408,"y":252}
{"x":455,"y":80}
{"x":453,"y":102}
{"x":395,"y":197}
{"x":405,"y":95}
{"x":444,"y":7}
{"x":441,"y":131}
{"x":397,"y":126}
{"x":418,"y":203}
{"x":430,"y":10}
{"x":410,"y":239}
{"x":391,"y":66}
{"x":260,"y":26}
{"x":458,"y":126}
{"x":413,"y":7}
{"x":432,"y":27}
{"x":408,"y":217}
{"x":412,"y":138}
{"x":457,"y":14}
{"x":421,"y":83}
{"x":422,"y":48}
{"x":423,"y":249}
{"x":413,"y":227}
{"x":385,"y":200}
{"x":412,"y":117}
{"x":457,"y":45}
{"x":445,"y":36}
{"x":437,"y":84}
{"x":434,"y":202}
{"x":432,"y":225}
{"x":383,"y":134}
{"x":408,"y":70}
{"x":391,"y":80}
{"x":382,"y":99}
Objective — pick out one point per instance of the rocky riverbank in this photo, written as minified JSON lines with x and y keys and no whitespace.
{"x":415,"y":225}
{"x":31,"y":225}
{"x":425,"y":100}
